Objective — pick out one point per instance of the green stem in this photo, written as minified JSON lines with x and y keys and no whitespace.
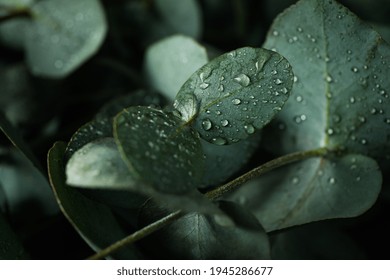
{"x":213,"y":195}
{"x":262,"y":169}
{"x":149,"y":229}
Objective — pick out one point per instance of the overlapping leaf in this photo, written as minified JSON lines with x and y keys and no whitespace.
{"x":339,"y":100}
{"x":340,"y":96}
{"x":94,"y":221}
{"x":235,"y":94}
{"x":313,"y":190}
{"x":159,"y":149}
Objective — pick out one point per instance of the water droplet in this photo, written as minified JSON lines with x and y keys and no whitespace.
{"x":295,"y":79}
{"x":274,"y":72}
{"x":284,"y":90}
{"x":328,"y":78}
{"x":232,"y":54}
{"x":249,"y":128}
{"x":332,"y":180}
{"x":355,"y":69}
{"x":204,"y":85}
{"x":295,"y":180}
{"x":224,"y":122}
{"x":373,"y":111}
{"x":387,"y":120}
{"x":357,"y":179}
{"x":299,"y":98}
{"x":275,"y":33}
{"x":362,"y":119}
{"x":218,"y":112}
{"x":278,"y":81}
{"x":299,"y":29}
{"x":236,"y":101}
{"x":363,"y":141}
{"x":330,"y":131}
{"x":352,"y":99}
{"x":220,"y":88}
{"x":242,"y":79}
{"x":206,"y":124}
{"x":218,"y":141}
{"x":349,"y":52}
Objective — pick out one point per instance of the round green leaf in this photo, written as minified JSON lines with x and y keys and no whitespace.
{"x":63,"y":35}
{"x":159,"y":149}
{"x":341,"y":93}
{"x":93,"y":221}
{"x":237,"y":234}
{"x":313,"y":190}
{"x":235,"y":94}
{"x":171,"y":61}
{"x":98,"y":164}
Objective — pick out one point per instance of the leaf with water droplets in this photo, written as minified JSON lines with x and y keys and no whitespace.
{"x":159,"y":149}
{"x":313,"y":190}
{"x":340,"y":97}
{"x":87,"y":133}
{"x":94,"y":221}
{"x":233,"y":234}
{"x":237,"y":94}
{"x":63,"y":35}
{"x":171,"y":61}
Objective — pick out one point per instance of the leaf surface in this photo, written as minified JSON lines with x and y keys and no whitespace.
{"x":235,"y":94}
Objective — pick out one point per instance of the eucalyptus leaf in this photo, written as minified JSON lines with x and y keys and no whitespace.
{"x":340,"y":97}
{"x":13,"y":33}
{"x":197,"y":236}
{"x":63,"y":35}
{"x":11,"y":247}
{"x":98,"y":164}
{"x":171,"y":61}
{"x":312,"y":190}
{"x":159,"y":149}
{"x":235,"y":94}
{"x":94,"y":221}
{"x":183,"y":16}
{"x":93,"y":130}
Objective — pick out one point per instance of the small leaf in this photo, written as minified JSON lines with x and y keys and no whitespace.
{"x":236,"y":93}
{"x":183,"y":16}
{"x":171,"y":61}
{"x":340,"y":97}
{"x":98,"y":164}
{"x":158,"y":149}
{"x":94,"y":221}
{"x":93,"y":130}
{"x":63,"y":35}
{"x":238,"y":235}
{"x":313,"y":190}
